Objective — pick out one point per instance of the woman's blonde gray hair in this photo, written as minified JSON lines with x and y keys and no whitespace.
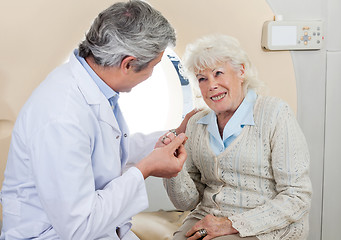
{"x":209,"y":50}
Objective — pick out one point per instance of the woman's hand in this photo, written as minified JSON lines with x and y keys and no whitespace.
{"x":183,"y":125}
{"x":214,"y":226}
{"x":168,"y":137}
{"x":165,"y":139}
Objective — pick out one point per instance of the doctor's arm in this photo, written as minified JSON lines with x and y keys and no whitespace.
{"x":62,"y":165}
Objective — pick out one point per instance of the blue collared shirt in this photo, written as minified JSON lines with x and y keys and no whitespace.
{"x":105,"y":89}
{"x":243,"y":116}
{"x":108,"y":92}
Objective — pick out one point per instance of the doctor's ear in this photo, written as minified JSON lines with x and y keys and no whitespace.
{"x":127,"y":63}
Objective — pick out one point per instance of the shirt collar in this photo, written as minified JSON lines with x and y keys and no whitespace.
{"x":104,"y":88}
{"x":245,"y":110}
{"x":243,"y":116}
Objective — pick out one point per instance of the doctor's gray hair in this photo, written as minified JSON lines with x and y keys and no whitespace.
{"x":208,"y":51}
{"x":130,"y":28}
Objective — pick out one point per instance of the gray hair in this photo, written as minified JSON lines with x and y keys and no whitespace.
{"x":209,"y":50}
{"x":124,"y":29}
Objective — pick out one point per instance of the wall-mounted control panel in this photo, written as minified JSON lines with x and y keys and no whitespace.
{"x":292,"y":35}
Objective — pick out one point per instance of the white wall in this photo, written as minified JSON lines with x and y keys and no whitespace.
{"x":318,"y":77}
{"x":331,"y":217}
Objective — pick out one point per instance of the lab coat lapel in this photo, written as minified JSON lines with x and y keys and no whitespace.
{"x":125,"y":137}
{"x":106,"y":115}
{"x":93,"y":96}
{"x":102,"y":108}
{"x":98,"y":103}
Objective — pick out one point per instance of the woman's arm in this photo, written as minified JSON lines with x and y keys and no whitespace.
{"x":185,"y":190}
{"x":290,"y":166}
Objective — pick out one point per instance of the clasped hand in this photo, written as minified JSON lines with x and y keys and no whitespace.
{"x":165,"y":160}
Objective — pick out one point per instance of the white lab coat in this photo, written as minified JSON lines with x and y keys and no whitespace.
{"x":64,"y":177}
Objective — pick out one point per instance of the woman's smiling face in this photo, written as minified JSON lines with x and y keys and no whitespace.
{"x":222,"y":88}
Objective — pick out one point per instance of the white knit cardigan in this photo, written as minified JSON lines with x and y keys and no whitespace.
{"x":260,"y":182}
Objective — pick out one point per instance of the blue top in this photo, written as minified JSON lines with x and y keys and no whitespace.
{"x":243,"y":116}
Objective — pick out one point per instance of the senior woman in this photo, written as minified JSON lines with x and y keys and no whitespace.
{"x":247,"y":171}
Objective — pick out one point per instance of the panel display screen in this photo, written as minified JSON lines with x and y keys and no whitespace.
{"x":284,"y":35}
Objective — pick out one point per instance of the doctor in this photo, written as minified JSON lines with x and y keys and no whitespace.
{"x":66,"y":174}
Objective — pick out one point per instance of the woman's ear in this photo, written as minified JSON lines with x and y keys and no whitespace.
{"x":242,"y":69}
{"x":242,"y":72}
{"x":126,"y":64}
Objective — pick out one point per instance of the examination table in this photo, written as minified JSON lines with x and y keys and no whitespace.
{"x":158,"y":225}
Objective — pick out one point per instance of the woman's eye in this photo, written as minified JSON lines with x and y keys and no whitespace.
{"x":201,"y":79}
{"x":218,"y":73}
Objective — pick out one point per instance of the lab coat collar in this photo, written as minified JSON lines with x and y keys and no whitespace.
{"x":92,"y":94}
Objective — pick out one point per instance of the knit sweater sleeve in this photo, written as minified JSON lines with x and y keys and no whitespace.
{"x":185,"y":190}
{"x":290,"y":166}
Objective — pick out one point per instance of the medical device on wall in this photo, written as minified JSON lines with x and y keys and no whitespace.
{"x":292,"y":35}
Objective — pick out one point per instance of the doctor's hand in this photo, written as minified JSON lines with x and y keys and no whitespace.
{"x":162,"y":162}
